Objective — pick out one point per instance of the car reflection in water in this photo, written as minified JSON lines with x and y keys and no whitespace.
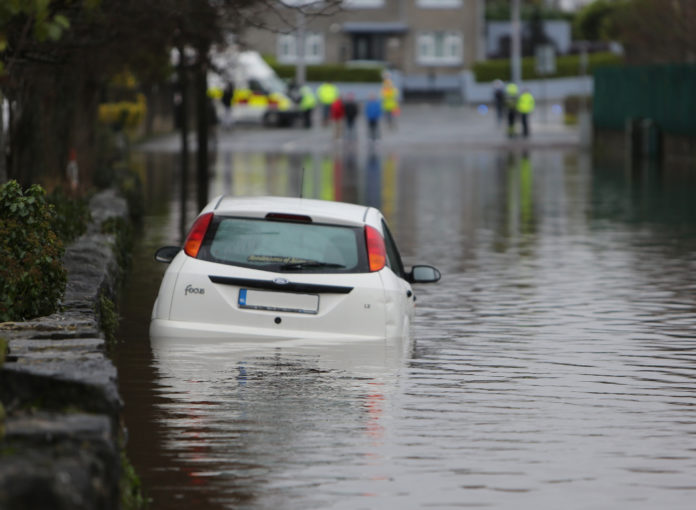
{"x":255,"y":420}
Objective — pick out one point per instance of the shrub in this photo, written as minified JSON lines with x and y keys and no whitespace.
{"x":130,"y":185}
{"x":72,"y":215}
{"x":566,"y":65}
{"x":331,"y":72}
{"x":108,"y":317}
{"x":32,"y":277}
{"x":123,"y":115}
{"x":572,"y":106}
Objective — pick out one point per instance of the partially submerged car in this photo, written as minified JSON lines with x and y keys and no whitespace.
{"x":273,"y":267}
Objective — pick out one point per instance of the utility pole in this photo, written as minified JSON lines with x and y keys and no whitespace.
{"x":300,"y":66}
{"x":516,"y":43}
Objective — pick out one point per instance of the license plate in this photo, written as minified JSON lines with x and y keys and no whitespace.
{"x":278,"y":301}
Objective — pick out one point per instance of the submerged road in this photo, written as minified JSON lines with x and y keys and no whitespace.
{"x":553,"y":367}
{"x":419,"y":128}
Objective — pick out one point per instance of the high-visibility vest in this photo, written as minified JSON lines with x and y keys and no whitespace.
{"x":327,"y":93}
{"x":389,"y":98}
{"x":308,"y":101}
{"x":525,"y":104}
{"x":215,"y":93}
{"x":511,"y":92}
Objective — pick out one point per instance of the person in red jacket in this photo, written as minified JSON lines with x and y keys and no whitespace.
{"x":337,"y":114}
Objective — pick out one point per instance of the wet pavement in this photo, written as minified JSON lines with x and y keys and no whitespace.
{"x":420,"y":127}
{"x":552,"y":367}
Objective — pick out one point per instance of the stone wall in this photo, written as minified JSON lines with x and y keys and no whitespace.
{"x":62,"y":430}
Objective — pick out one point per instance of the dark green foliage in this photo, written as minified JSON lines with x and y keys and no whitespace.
{"x":131,"y":488}
{"x":131,"y":187}
{"x":122,"y":230}
{"x":331,"y":72}
{"x":537,"y":35}
{"x":566,"y":65}
{"x":572,"y":104}
{"x":32,"y":277}
{"x":108,"y":317}
{"x":72,"y":215}
{"x":593,"y":21}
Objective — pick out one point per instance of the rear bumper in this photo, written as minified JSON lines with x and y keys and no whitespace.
{"x":164,"y":330}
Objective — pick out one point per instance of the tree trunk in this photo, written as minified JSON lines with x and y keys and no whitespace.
{"x":3,"y":161}
{"x":205,"y":114}
{"x":181,"y":118}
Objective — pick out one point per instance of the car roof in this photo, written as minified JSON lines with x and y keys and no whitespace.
{"x":321,"y":211}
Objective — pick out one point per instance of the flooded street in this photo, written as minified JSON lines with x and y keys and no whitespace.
{"x":554,"y":365}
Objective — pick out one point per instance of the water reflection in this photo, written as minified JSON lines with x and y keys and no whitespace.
{"x":338,"y":176}
{"x":552,"y":367}
{"x":259,"y":424}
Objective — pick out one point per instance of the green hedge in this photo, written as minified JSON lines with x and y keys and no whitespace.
{"x":566,"y":65}
{"x":32,"y":277}
{"x":71,"y":215}
{"x":329,"y":72}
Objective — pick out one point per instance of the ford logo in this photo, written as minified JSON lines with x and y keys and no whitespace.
{"x":280,"y":281}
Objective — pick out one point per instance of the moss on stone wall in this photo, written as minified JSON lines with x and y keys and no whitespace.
{"x":108,"y":317}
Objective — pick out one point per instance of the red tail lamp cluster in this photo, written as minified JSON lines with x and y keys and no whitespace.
{"x":196,"y":235}
{"x":376,"y":251}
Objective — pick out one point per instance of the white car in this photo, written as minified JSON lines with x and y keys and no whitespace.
{"x":269,"y":268}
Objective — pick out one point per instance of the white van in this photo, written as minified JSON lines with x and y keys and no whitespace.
{"x":259,"y":94}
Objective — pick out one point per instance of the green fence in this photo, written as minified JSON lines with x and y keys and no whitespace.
{"x":665,"y":94}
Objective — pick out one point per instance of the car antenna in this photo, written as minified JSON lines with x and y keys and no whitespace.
{"x":302,"y":182}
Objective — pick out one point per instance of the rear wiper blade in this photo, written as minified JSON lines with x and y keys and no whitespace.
{"x":311,"y":264}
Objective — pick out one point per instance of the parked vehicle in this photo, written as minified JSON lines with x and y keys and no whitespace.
{"x":271,"y":267}
{"x":259,"y":94}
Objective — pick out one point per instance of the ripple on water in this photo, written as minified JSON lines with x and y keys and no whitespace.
{"x":552,"y":367}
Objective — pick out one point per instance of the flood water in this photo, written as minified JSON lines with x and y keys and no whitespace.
{"x":554,"y":366}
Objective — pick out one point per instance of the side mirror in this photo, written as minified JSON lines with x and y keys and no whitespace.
{"x":167,"y":253}
{"x":424,"y":274}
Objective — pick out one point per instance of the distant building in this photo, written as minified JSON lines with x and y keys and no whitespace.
{"x":498,"y":36}
{"x":428,"y":42}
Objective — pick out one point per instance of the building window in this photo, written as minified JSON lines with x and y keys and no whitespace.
{"x":439,"y":48}
{"x":439,"y":4}
{"x":313,"y":48}
{"x":362,"y":4}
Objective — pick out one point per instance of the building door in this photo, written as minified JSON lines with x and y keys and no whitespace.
{"x":368,"y":47}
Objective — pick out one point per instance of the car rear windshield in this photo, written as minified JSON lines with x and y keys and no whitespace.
{"x":285,"y":246}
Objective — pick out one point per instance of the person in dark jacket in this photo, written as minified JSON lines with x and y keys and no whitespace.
{"x":350,"y":111}
{"x":227,"y":98}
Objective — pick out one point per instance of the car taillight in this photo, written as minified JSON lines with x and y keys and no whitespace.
{"x":376,"y":252}
{"x":196,"y":235}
